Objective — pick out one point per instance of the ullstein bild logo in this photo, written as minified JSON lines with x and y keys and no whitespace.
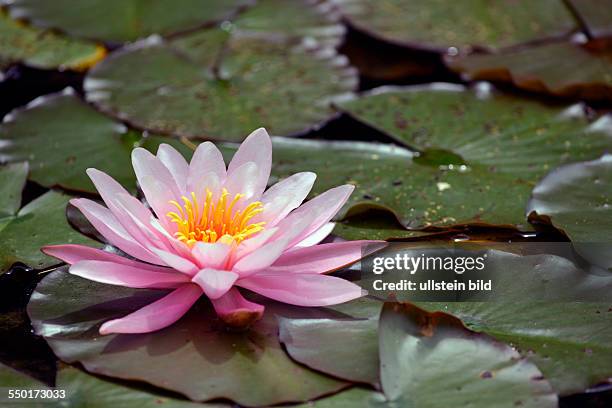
{"x":403,"y":263}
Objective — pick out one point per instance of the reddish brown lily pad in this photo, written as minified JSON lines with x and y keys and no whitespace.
{"x":562,"y":69}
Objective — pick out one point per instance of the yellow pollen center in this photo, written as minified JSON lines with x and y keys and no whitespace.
{"x":214,"y":221}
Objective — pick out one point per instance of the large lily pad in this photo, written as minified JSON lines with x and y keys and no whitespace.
{"x":419,"y":351}
{"x":563,"y":69}
{"x":61,"y":136}
{"x":532,"y":310}
{"x":479,"y":155}
{"x":41,"y":222}
{"x":196,"y":356}
{"x":41,"y":49}
{"x":440,"y":24}
{"x":224,"y":82}
{"x":596,"y":16}
{"x":577,"y":198}
{"x":123,"y":20}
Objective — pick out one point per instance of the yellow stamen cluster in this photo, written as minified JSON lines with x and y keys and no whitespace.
{"x":214,"y":221}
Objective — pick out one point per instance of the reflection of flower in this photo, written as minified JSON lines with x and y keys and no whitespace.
{"x":215,"y":229}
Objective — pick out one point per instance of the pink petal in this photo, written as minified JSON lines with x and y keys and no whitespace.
{"x":317,"y":236}
{"x":135,"y":217}
{"x":261,"y":258}
{"x":235,"y":310}
{"x":211,"y":255}
{"x":157,"y":315}
{"x":252,"y":244}
{"x":317,"y":212}
{"x":72,"y":254}
{"x":176,"y":262}
{"x":284,"y":197}
{"x":256,"y":148}
{"x":243,"y":181}
{"x":206,"y":170}
{"x":324,"y":258}
{"x":106,"y":223}
{"x":176,"y":165}
{"x":215,"y":283}
{"x":302,"y":289}
{"x":156,"y":182}
{"x":180,"y":248}
{"x":128,"y":210}
{"x":107,"y":187}
{"x":125,"y":275}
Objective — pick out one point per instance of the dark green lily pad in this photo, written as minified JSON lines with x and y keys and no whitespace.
{"x":426,"y":359}
{"x":532,"y":310}
{"x":596,"y":16}
{"x":224,"y":82}
{"x":196,"y":356}
{"x":123,"y":20}
{"x":479,"y":156}
{"x":440,"y":24}
{"x":563,"y":69}
{"x":41,"y":222}
{"x":82,"y":389}
{"x":12,"y":180}
{"x":420,"y":351}
{"x":41,"y":49}
{"x":577,"y":199}
{"x":321,"y":343}
{"x":60,"y":136}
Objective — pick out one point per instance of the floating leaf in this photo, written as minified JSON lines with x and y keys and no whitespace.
{"x":479,"y":155}
{"x":60,"y":136}
{"x":440,"y":24}
{"x":563,"y":69}
{"x":196,"y":356}
{"x":428,"y":358}
{"x":596,"y":15}
{"x":123,"y":20}
{"x":224,"y":82}
{"x":12,"y":180}
{"x":321,"y":343}
{"x":577,"y":198}
{"x":41,"y":222}
{"x":40,"y":49}
{"x":531,"y":308}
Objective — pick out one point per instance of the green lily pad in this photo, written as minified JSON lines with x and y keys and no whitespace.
{"x":12,"y":180}
{"x":480,"y":155}
{"x":532,"y":310}
{"x":577,"y":198}
{"x":224,"y":82}
{"x":440,"y":24}
{"x":587,"y":76}
{"x":419,"y":351}
{"x":41,"y":222}
{"x":195,"y":356}
{"x":123,"y":20}
{"x":596,"y":16}
{"x":41,"y":49}
{"x":61,"y":136}
{"x":82,"y":389}
{"x":321,"y":343}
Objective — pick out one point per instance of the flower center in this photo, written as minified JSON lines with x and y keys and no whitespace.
{"x":214,"y":221}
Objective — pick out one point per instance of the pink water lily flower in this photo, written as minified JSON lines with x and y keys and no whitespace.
{"x":212,"y":230}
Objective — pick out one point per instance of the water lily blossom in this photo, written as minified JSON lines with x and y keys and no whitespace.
{"x":211,"y":230}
